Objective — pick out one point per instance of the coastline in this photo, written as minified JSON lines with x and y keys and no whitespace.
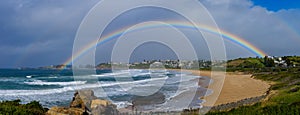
{"x":236,"y":87}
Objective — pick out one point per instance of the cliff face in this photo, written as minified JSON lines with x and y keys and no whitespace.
{"x":85,"y":103}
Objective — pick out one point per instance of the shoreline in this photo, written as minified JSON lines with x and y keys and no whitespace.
{"x":238,"y":89}
{"x":237,"y":86}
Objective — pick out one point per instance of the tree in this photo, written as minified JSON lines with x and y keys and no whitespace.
{"x":269,"y":62}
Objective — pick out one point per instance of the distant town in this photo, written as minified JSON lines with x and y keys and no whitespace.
{"x":251,"y":62}
{"x":144,"y":64}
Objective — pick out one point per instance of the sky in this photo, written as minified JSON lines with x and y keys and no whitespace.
{"x":37,"y":33}
{"x":276,"y":5}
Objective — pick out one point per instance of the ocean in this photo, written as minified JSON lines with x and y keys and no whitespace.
{"x":57,"y":87}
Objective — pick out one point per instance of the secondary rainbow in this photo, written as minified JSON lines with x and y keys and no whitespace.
{"x":114,"y":35}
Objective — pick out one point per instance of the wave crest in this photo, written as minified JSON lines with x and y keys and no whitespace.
{"x":40,"y":82}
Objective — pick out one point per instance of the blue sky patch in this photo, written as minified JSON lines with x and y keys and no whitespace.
{"x":275,"y":5}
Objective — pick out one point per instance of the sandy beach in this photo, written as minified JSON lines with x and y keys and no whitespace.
{"x":237,"y":86}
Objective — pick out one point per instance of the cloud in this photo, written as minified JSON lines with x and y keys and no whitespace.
{"x":34,"y":26}
{"x":44,"y":30}
{"x":265,"y":29}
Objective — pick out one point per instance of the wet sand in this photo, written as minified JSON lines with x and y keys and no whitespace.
{"x":237,"y":86}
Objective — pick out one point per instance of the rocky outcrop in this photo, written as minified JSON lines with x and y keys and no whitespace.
{"x":103,"y":107}
{"x":82,"y":99}
{"x":66,"y":111}
{"x":85,"y":103}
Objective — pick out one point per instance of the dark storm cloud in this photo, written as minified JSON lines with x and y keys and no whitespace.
{"x":37,"y":29}
{"x":41,"y":32}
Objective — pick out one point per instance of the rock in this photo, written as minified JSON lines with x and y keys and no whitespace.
{"x":77,"y":102}
{"x":103,"y":107}
{"x":84,"y":103}
{"x":100,"y":102}
{"x":83,"y":99}
{"x":97,"y":110}
{"x":57,"y":111}
{"x":294,"y":89}
{"x":77,"y":111}
{"x":66,"y":111}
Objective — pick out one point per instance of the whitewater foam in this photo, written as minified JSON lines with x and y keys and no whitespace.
{"x":69,"y":88}
{"x":39,"y":87}
{"x":40,"y":82}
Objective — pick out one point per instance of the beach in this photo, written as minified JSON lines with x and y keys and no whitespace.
{"x":123,"y":88}
{"x":237,"y":86}
{"x":45,"y":85}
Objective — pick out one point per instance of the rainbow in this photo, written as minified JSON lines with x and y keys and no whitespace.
{"x":228,"y":36}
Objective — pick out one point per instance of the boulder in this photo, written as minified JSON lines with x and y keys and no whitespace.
{"x":77,"y":102}
{"x":103,"y":107}
{"x":57,"y":111}
{"x":100,"y":102}
{"x":66,"y":111}
{"x":295,"y":89}
{"x":98,"y":110}
{"x":83,"y":99}
{"x":85,"y":103}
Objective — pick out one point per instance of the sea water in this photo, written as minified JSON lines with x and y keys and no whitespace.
{"x":57,"y":87}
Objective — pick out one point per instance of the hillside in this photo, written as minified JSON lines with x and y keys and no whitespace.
{"x":246,"y":63}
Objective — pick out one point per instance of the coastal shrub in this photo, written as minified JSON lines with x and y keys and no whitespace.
{"x":15,"y":108}
{"x":257,"y":109}
{"x":277,"y":86}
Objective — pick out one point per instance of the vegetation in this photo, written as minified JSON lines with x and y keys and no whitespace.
{"x":292,"y":60}
{"x":246,"y":63}
{"x":284,"y":100}
{"x":286,"y":85}
{"x":257,"y":65}
{"x":15,"y":108}
{"x":284,"y":94}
